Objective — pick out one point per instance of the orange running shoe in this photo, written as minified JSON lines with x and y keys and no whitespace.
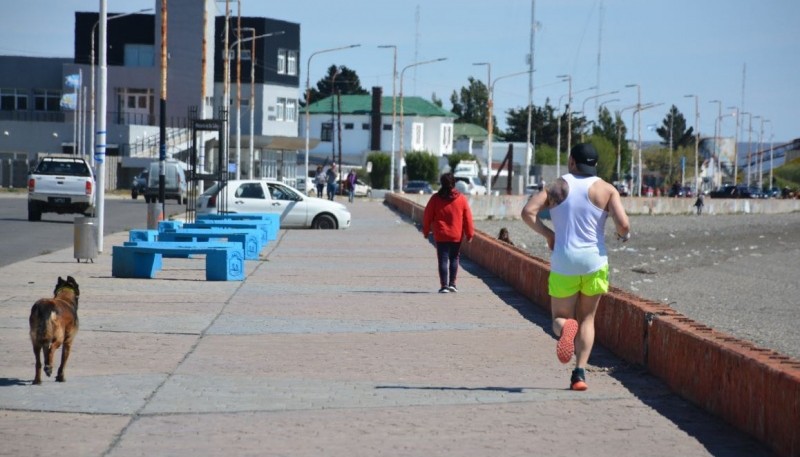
{"x":578,"y":380}
{"x":566,"y":343}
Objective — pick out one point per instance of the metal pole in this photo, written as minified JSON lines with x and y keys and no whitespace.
{"x":225,"y":87}
{"x":162,"y":155}
{"x":101,"y":129}
{"x":239,"y":90}
{"x":252,"y":102}
{"x":530,"y":156}
{"x":489,"y":126}
{"x":394,"y":114}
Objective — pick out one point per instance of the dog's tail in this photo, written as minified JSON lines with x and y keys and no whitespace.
{"x":42,"y":322}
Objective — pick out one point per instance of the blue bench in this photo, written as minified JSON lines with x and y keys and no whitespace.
{"x":249,"y":239}
{"x":264,"y":228}
{"x":142,"y":259}
{"x":142,"y":235}
{"x":273,"y":220}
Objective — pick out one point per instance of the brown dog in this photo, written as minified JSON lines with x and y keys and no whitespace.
{"x":54,"y":321}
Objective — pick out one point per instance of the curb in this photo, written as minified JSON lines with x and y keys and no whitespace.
{"x":756,"y":390}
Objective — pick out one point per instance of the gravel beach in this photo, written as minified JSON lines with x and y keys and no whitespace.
{"x":735,"y":273}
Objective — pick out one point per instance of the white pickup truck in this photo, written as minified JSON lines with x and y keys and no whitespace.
{"x":60,"y":184}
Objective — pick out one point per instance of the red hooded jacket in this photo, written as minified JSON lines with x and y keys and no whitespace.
{"x":449,"y":217}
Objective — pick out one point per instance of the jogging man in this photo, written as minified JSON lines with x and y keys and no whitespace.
{"x":579,"y":204}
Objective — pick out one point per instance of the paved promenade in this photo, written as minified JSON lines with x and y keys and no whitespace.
{"x":336,"y":344}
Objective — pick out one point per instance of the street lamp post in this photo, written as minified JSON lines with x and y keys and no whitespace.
{"x":735,"y":146}
{"x":92,"y":91}
{"x":619,"y":143}
{"x":568,"y":78}
{"x":696,"y":141}
{"x":639,"y":141}
{"x":489,"y":129}
{"x":715,"y":148}
{"x":394,"y":113}
{"x":308,"y":93}
{"x":402,"y":116}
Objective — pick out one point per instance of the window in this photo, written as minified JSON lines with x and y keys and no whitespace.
{"x":245,"y":55}
{"x":327,"y":132}
{"x":365,"y":126}
{"x":292,"y":63}
{"x":13,"y":100}
{"x":417,"y":139}
{"x":387,"y":127}
{"x":291,"y":110}
{"x":139,"y":55}
{"x":281,"y":61}
{"x":348,"y":126}
{"x":447,"y":136}
{"x":280,"y":109}
{"x":46,"y":100}
{"x":250,"y":190}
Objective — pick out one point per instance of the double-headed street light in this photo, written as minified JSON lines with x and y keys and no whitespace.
{"x":402,"y":116}
{"x":308,"y":96}
{"x":236,"y":44}
{"x":583,"y":106}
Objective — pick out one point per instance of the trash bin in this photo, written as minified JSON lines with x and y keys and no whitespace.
{"x":85,"y":239}
{"x":154,"y":215}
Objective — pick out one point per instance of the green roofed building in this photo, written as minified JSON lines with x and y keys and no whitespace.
{"x":364,"y":124}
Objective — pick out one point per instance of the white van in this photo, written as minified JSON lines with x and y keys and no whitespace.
{"x":175,"y":187}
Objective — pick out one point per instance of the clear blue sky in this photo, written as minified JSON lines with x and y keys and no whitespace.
{"x":669,"y":48}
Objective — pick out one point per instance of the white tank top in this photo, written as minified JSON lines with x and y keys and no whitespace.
{"x":580,"y":246}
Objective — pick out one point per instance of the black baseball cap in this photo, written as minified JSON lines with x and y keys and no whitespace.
{"x":585,"y":156}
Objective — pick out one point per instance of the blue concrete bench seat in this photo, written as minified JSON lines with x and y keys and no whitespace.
{"x":272,"y":220}
{"x":267,"y":232}
{"x":249,"y":238}
{"x":143,"y":259}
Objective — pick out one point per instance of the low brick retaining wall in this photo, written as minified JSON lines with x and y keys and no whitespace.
{"x":757,"y":390}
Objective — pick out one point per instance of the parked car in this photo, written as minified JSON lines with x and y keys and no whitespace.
{"x":60,"y":184}
{"x":418,"y":187}
{"x":681,"y":191}
{"x":139,"y":184}
{"x":622,"y":188}
{"x":363,"y":189}
{"x":270,"y":196}
{"x":474,"y":185}
{"x":175,"y":187}
{"x":730,"y":191}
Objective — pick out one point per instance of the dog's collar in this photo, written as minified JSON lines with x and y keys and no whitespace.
{"x":65,"y":287}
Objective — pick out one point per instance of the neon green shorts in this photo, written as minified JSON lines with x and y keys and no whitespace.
{"x":562,"y":286}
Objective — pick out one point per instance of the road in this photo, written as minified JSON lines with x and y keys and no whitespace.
{"x":23,"y":239}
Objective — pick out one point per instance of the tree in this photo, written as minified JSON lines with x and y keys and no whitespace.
{"x":673,"y":130}
{"x":346,"y":82}
{"x":381,"y":167}
{"x":471,"y":104}
{"x":613,"y":129}
{"x":607,"y":156}
{"x":422,"y":166}
{"x":436,"y":100}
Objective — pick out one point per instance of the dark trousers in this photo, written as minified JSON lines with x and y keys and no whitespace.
{"x":448,"y":254}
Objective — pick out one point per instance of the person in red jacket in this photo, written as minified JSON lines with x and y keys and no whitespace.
{"x":448,"y":216}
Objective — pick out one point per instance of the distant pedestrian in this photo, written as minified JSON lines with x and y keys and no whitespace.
{"x":699,"y":203}
{"x":579,"y":204}
{"x":449,"y":217}
{"x":351,"y":185}
{"x":503,"y":236}
{"x":320,"y":180}
{"x":332,"y":177}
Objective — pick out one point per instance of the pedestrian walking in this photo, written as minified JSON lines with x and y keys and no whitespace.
{"x":579,"y":204}
{"x":699,"y":203}
{"x":351,"y":185}
{"x":448,"y":216}
{"x":320,"y":180}
{"x":331,"y":177}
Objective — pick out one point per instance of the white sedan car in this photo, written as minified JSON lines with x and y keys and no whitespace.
{"x":270,"y":196}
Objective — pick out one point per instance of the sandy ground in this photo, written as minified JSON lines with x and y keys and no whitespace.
{"x":736,"y":273}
